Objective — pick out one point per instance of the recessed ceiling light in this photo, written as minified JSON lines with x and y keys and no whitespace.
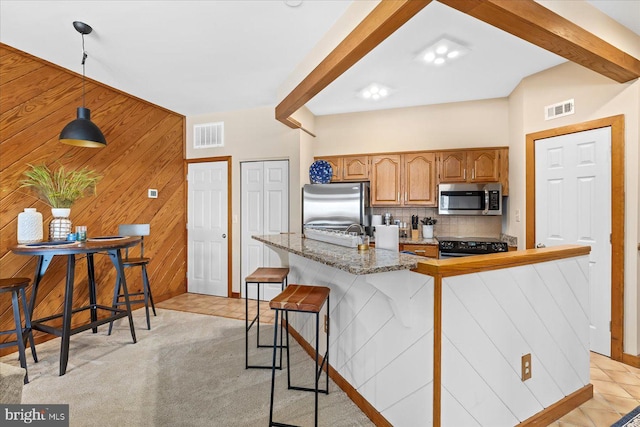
{"x":293,"y":3}
{"x":374,"y":91}
{"x":441,"y":52}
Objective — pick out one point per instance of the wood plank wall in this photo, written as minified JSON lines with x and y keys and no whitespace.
{"x":145,"y":150}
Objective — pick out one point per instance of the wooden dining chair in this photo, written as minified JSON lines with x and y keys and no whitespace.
{"x":137,"y":230}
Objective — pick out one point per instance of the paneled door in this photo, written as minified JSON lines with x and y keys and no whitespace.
{"x":573,"y":202}
{"x":208,"y":228}
{"x":265,"y":210}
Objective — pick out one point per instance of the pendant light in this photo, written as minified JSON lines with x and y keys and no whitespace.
{"x":82,"y":132}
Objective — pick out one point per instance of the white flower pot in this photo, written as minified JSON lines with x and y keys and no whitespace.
{"x":427,"y":231}
{"x":60,"y":225}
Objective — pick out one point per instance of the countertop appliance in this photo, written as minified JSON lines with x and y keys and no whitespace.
{"x":470,"y":199}
{"x":336,"y":206}
{"x":455,"y":247}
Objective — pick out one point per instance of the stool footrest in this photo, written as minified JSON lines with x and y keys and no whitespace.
{"x":293,"y":387}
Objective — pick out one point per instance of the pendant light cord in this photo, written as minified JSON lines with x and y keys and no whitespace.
{"x":84,"y":58}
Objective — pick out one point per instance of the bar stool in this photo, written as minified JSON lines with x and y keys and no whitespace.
{"x":17,"y":285}
{"x":305,"y":299}
{"x":261,"y":275}
{"x":139,"y":230}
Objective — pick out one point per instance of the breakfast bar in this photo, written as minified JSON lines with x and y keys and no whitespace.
{"x":422,"y":341}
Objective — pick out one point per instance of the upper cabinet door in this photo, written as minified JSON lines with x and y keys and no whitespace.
{"x":385,"y":180}
{"x":453,"y":166}
{"x":484,"y":165}
{"x":336,"y":167}
{"x":420,"y":179}
{"x":355,"y":168}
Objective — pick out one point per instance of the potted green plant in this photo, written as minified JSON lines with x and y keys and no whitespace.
{"x":60,"y":189}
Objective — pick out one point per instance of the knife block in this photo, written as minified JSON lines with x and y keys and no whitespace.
{"x":415,"y":234}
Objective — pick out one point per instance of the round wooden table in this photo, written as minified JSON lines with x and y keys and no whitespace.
{"x":45,"y":251}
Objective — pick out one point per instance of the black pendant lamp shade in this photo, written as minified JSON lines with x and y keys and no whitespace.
{"x":82,"y":132}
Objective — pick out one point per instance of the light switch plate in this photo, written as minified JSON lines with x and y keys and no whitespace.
{"x":153,"y":193}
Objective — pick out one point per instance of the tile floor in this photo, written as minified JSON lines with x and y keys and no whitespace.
{"x":616,"y":386}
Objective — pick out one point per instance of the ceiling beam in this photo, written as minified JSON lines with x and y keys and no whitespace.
{"x":386,"y":18}
{"x":525,"y":19}
{"x":542,"y":27}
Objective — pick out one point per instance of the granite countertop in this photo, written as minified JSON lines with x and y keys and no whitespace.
{"x":340,"y":257}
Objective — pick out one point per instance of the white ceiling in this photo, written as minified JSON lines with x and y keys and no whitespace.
{"x":197,"y":57}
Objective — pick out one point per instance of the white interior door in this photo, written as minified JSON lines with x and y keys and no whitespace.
{"x":207,"y":228}
{"x":573,"y":206}
{"x":265,"y":210}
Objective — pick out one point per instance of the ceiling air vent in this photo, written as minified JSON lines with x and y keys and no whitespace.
{"x":560,"y":109}
{"x":208,"y":135}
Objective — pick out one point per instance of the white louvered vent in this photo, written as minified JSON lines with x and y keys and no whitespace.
{"x":560,"y":109}
{"x":208,"y":135}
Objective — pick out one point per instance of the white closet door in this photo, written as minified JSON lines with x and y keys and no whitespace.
{"x":265,"y":210}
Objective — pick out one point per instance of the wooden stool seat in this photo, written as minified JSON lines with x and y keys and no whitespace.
{"x":306,"y":299}
{"x":268,"y":275}
{"x":13,"y":283}
{"x":301,"y":298}
{"x":16,"y":286}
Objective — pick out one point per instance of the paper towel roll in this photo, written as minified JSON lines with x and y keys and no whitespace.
{"x":376,"y":220}
{"x":387,"y":237}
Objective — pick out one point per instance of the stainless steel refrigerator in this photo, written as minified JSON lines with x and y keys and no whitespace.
{"x":336,"y":206}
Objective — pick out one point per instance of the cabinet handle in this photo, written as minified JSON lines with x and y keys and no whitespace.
{"x":464,"y":174}
{"x":473,"y":173}
{"x":420,"y":251}
{"x":398,"y":197}
{"x":405,"y":196}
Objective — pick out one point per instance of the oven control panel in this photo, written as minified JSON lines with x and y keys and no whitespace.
{"x":472,"y":247}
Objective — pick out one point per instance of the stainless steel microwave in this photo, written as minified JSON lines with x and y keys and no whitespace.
{"x":470,"y":199}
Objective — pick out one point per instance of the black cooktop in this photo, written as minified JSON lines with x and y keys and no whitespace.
{"x":471,"y":245}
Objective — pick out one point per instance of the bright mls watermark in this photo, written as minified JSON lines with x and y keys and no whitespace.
{"x":34,"y":415}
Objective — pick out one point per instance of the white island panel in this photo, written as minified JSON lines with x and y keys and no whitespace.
{"x":387,"y":359}
{"x":490,"y":319}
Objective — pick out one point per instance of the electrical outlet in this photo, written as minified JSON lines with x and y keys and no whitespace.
{"x":326,"y":324}
{"x":517,"y":215}
{"x":526,"y":366}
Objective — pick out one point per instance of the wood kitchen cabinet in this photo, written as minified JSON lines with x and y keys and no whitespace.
{"x":403,"y":179}
{"x":475,"y":166}
{"x":355,"y":168}
{"x":348,"y":168}
{"x":430,"y":251}
{"x":385,"y":180}
{"x":336,"y":166}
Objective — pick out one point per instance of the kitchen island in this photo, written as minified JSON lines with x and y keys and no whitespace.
{"x":440,"y":342}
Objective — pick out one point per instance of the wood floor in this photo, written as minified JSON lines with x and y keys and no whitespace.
{"x":616,"y":386}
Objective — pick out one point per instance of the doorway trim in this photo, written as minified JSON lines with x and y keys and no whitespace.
{"x":229,"y":198}
{"x":617,"y":212}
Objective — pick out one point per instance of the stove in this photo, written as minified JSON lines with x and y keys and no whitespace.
{"x":454,"y":247}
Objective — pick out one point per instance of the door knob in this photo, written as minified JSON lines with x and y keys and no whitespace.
{"x":540,"y":245}
{"x":224,"y":236}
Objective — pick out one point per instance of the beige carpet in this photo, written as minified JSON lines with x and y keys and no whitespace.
{"x":187,"y":371}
